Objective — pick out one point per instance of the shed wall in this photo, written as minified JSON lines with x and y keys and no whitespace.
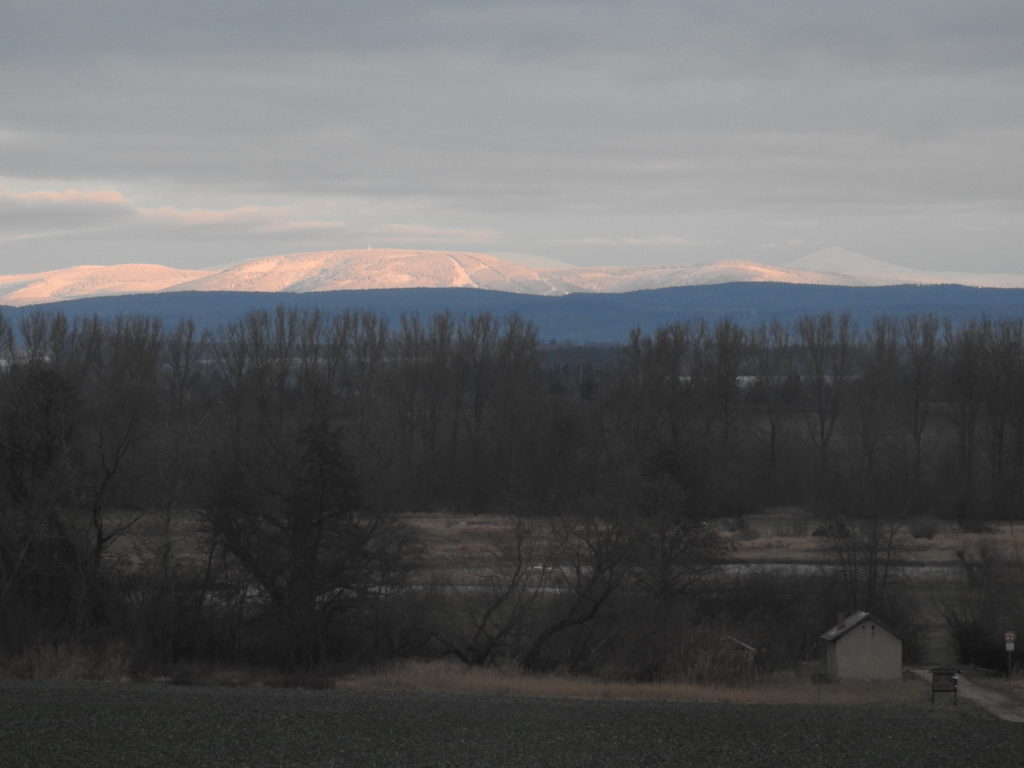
{"x":866,"y":652}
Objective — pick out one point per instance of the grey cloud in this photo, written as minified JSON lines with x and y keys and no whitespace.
{"x":27,"y":214}
{"x":543,"y":122}
{"x":741,"y":30}
{"x":72,"y":217}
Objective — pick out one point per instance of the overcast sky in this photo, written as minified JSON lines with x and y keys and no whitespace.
{"x":201,"y":133}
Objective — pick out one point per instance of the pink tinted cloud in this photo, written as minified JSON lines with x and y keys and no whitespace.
{"x":68,"y":196}
{"x":56,"y":212}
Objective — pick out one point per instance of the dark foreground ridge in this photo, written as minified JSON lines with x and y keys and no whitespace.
{"x":103,"y":724}
{"x":579,"y":317}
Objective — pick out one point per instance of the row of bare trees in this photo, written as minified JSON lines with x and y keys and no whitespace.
{"x":916,"y":415}
{"x":241,"y":491}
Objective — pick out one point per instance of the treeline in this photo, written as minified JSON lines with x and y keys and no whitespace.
{"x":238,"y":493}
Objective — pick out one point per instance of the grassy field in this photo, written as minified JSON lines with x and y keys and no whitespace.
{"x":459,"y":546}
{"x":448,"y":676}
{"x":783,"y":688}
{"x":779,"y":536}
{"x":776,"y":536}
{"x":458,"y":549}
{"x":447,"y":714}
{"x":787,"y":536}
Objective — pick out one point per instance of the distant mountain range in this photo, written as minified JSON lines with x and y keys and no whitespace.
{"x":580,"y":318}
{"x":380,"y":269}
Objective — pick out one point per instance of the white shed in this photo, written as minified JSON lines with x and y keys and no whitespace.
{"x":860,"y":647}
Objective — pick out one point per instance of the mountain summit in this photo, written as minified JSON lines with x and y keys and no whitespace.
{"x":376,"y":268}
{"x":389,"y":269}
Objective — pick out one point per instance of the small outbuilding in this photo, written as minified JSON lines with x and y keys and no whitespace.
{"x":860,"y":647}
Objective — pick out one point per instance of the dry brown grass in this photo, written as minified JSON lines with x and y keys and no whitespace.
{"x":778,"y":536}
{"x":69,"y":662}
{"x":450,"y":677}
{"x":452,"y":540}
{"x":767,"y":538}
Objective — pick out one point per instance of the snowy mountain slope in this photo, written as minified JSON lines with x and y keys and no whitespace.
{"x":91,"y":280}
{"x":366,"y":269}
{"x":388,"y":269}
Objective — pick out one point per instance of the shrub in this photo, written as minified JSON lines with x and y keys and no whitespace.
{"x":69,"y":662}
{"x":991,"y":603}
{"x":923,"y":527}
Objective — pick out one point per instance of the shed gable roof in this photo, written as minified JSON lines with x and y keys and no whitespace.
{"x":852,"y":621}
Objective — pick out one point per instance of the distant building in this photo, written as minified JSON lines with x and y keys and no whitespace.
{"x":860,"y":647}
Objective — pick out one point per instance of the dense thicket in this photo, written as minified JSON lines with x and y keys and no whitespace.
{"x":239,"y":493}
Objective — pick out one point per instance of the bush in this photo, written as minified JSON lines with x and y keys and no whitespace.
{"x":838,"y":530}
{"x":69,"y":662}
{"x":977,"y":616}
{"x":923,"y":527}
{"x":795,"y":525}
{"x":975,"y":643}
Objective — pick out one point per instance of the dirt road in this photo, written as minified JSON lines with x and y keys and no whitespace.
{"x":998,"y":704}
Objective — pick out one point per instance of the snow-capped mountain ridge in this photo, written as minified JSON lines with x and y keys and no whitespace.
{"x":871,"y":271}
{"x":91,"y":280}
{"x":376,"y":268}
{"x":389,"y":269}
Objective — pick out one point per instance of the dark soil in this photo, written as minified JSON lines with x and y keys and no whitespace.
{"x":105,"y":724}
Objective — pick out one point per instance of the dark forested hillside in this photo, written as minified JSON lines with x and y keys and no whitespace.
{"x":580,"y":318}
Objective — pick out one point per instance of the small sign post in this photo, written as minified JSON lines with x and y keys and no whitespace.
{"x":945,"y":680}
{"x":1009,"y":637}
